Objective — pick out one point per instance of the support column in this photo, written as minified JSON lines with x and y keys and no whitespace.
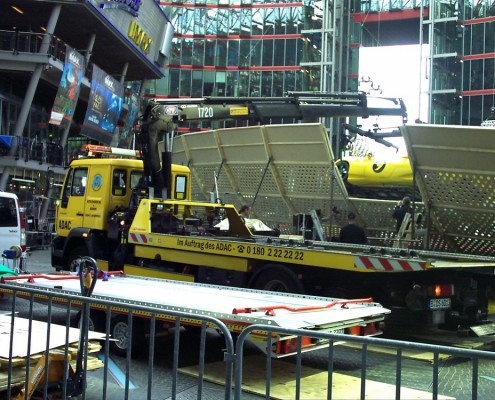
{"x":140,"y":95}
{"x":124,"y":72}
{"x":31,"y":89}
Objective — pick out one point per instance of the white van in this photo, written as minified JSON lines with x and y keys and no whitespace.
{"x":12,"y":224}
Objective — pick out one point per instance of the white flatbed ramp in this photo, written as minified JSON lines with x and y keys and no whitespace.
{"x":455,"y":173}
{"x":253,"y":306}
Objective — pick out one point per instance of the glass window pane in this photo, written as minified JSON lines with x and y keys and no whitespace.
{"x":235,"y":23}
{"x":243,"y":83}
{"x":269,"y":22}
{"x":254,"y":83}
{"x":209,"y":83}
{"x":223,"y":22}
{"x":211,"y":22}
{"x":198,"y":52}
{"x":174,"y":82}
{"x":267,"y":52}
{"x":185,"y":82}
{"x":245,"y":53}
{"x":279,"y":52}
{"x":233,"y":53}
{"x":278,"y":83}
{"x":476,"y":82}
{"x":186,"y":53}
{"x":257,"y":22}
{"x":119,"y":182}
{"x":256,"y":52}
{"x":197,"y":84}
{"x":245,"y":22}
{"x":290,"y":56}
{"x":210,"y":52}
{"x":175,"y":53}
{"x":489,"y":74}
{"x":290,"y":81}
{"x":200,"y":21}
{"x":221,"y":53}
{"x":232,"y":83}
{"x":266,"y":83}
{"x":478,"y":38}
{"x":79,"y":181}
{"x":220,"y":83}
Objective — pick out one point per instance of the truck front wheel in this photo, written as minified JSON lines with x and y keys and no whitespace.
{"x":76,"y":252}
{"x":277,"y":278}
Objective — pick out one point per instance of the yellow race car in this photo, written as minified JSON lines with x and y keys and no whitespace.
{"x":369,"y":172}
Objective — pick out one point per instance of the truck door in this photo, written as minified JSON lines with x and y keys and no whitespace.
{"x":71,"y":209}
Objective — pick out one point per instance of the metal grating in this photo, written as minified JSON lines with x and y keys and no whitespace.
{"x":283,"y":169}
{"x":455,"y":172}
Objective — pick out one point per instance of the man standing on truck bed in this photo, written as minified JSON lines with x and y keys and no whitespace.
{"x":401,"y":210}
{"x":352,"y":232}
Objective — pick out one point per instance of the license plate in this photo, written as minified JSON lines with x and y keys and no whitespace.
{"x":439,"y":304}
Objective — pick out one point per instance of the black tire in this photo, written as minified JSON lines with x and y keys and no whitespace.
{"x":344,"y":170}
{"x":119,"y":335}
{"x":277,"y":278}
{"x":76,"y":252}
{"x":96,"y":321}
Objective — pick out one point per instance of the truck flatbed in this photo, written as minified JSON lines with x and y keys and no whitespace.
{"x":235,"y":307}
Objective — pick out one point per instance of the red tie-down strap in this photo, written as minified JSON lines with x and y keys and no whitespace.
{"x":56,"y":277}
{"x":270,"y":310}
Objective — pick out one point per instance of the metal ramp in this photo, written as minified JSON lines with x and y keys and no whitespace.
{"x":284,"y":169}
{"x":454,"y":169}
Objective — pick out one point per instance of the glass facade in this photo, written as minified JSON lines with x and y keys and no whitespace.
{"x":478,"y":61}
{"x":461,"y":69}
{"x":268,"y":48}
{"x":445,"y":59}
{"x":250,"y":48}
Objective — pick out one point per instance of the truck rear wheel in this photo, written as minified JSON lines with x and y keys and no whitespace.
{"x":96,"y":321}
{"x":120,"y":334}
{"x":277,"y":278}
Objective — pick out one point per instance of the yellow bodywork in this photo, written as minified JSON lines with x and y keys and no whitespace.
{"x":233,"y":250}
{"x":107,"y":183}
{"x":373,"y":172}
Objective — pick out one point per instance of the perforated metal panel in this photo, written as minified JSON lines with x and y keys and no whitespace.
{"x":455,"y":172}
{"x":284,"y":169}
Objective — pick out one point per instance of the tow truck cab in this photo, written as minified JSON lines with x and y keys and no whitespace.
{"x":94,"y":190}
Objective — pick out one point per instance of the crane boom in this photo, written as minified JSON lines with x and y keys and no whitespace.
{"x":306,"y":106}
{"x":163,"y":116}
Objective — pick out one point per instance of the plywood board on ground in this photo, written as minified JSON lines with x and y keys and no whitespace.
{"x":38,"y":336}
{"x":410,"y":354}
{"x":313,"y":382}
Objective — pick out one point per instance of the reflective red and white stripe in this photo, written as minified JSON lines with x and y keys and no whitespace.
{"x":138,"y":238}
{"x":388,"y":264}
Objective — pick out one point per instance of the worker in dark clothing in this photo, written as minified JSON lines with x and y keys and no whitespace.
{"x":245,"y":211}
{"x":401,"y":210}
{"x":352,"y":232}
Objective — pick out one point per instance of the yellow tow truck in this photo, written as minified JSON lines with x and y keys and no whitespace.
{"x":136,"y":215}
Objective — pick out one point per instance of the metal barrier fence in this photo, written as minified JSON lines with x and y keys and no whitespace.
{"x":67,"y":308}
{"x":163,"y":381}
{"x":334,"y":339}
